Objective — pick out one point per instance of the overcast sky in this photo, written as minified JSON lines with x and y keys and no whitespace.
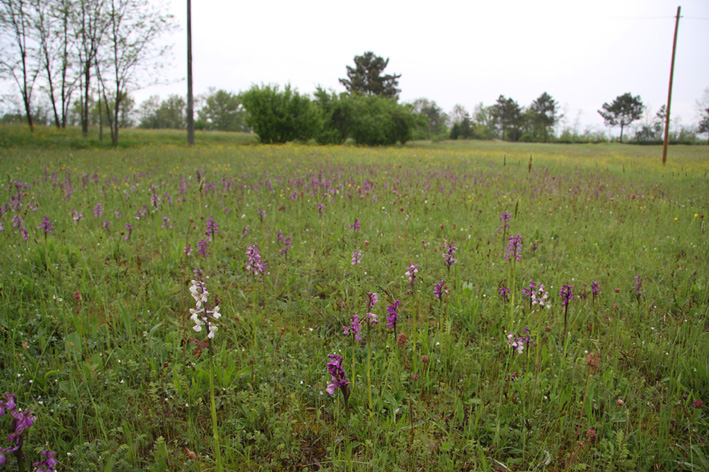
{"x":453,"y":51}
{"x":582,"y":53}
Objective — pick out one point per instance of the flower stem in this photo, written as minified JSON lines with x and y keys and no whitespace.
{"x":512,"y":292}
{"x":215,"y":430}
{"x":369,"y":365}
{"x":585,"y":394}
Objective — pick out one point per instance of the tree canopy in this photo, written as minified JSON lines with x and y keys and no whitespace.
{"x":367,"y":77}
{"x":704,"y":124}
{"x":165,"y":114}
{"x":622,"y":111}
{"x":222,"y":111}
{"x":508,"y":116}
{"x":367,"y":119}
{"x":434,"y":122}
{"x":280,"y":116}
{"x":544,"y":115}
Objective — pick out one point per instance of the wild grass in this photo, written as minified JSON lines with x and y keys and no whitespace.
{"x":95,"y":334}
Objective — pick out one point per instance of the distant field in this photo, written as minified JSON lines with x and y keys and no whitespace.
{"x":19,"y":136}
{"x":96,"y":336}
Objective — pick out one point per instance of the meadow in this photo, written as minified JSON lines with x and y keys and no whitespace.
{"x":448,"y":306}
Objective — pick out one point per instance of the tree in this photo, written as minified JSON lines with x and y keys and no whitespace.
{"x":457,"y":114}
{"x":19,"y":59}
{"x":366,"y":77}
{"x":704,"y":124}
{"x":508,"y":116}
{"x":483,"y":122}
{"x":652,"y":130}
{"x":703,"y":109}
{"x":133,"y":28}
{"x":278,"y":117}
{"x":368,"y":119}
{"x":56,"y":43}
{"x":89,"y":23}
{"x":166,"y":114}
{"x":435,"y":118}
{"x":544,"y":115}
{"x":335,"y":116}
{"x":222,"y":111}
{"x":624,"y":110}
{"x":377,"y":121}
{"x":462,"y":125}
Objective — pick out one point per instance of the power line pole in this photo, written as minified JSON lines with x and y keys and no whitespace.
{"x":669,"y":93}
{"x":190,"y":100}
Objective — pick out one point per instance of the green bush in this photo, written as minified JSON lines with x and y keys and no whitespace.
{"x":370,"y":120}
{"x":336,"y":117}
{"x":280,"y":116}
{"x":380,"y":121}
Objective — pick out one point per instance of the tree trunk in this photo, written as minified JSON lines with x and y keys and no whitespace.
{"x":85,"y":107}
{"x":29,"y":113}
{"x":114,"y":128}
{"x":100,"y":120}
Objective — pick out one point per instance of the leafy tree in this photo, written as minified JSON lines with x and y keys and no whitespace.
{"x":652,"y":131}
{"x":222,"y":111}
{"x":704,"y":124}
{"x":368,"y":119}
{"x":280,"y":116}
{"x":457,"y":114}
{"x":703,"y":109}
{"x":380,"y":121}
{"x":166,"y":114}
{"x":624,"y":110}
{"x":455,"y":131}
{"x":366,"y":77}
{"x":462,"y":125}
{"x":508,"y":116}
{"x":434,"y":122}
{"x":466,"y":128}
{"x":544,"y":115}
{"x":483,"y":122}
{"x":336,"y":112}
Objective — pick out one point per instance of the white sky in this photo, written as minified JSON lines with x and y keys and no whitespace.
{"x":454,"y":51}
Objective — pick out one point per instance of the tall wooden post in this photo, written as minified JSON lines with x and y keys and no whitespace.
{"x":190,"y":99}
{"x":669,"y":93}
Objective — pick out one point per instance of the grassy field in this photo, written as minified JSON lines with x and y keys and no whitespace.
{"x":96,"y":335}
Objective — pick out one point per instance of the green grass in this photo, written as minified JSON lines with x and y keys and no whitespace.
{"x":117,"y":381}
{"x":46,"y":137}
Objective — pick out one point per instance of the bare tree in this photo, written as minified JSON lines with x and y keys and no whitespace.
{"x":89,"y":24}
{"x":18,"y":60}
{"x":55,"y":42}
{"x":132,"y":30}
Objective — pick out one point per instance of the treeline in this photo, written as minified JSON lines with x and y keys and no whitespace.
{"x":505,"y":120}
{"x":85,"y":57}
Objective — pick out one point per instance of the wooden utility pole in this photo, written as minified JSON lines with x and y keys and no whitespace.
{"x":190,"y":99}
{"x":669,"y":93}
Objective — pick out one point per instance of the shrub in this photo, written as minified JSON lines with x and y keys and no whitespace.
{"x":370,"y":120}
{"x":280,"y":116}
